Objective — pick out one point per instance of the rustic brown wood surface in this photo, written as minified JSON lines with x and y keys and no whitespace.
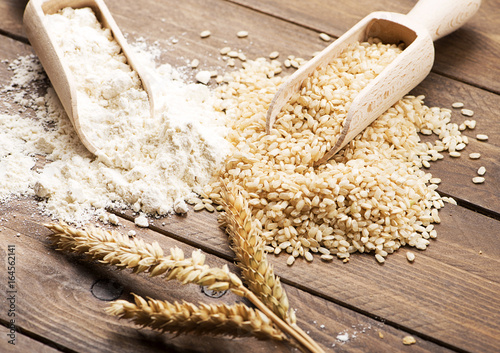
{"x":447,"y":299}
{"x":24,"y":344}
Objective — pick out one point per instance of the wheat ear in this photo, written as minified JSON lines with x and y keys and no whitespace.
{"x":111,"y":247}
{"x":252,"y":260}
{"x":250,"y":255}
{"x":230,"y":320}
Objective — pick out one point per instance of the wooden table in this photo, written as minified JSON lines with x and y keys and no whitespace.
{"x":448,"y":299}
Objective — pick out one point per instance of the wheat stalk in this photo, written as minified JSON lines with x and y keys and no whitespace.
{"x":252,"y":260}
{"x":179,"y":318}
{"x":250,"y":255}
{"x":111,"y":247}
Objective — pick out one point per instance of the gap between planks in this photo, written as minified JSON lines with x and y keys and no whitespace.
{"x":14,"y":36}
{"x":472,"y":207}
{"x":197,"y":245}
{"x":183,"y":239}
{"x":29,"y":342}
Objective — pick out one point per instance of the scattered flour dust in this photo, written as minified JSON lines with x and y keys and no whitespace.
{"x":343,"y":337}
{"x":351,"y":334}
{"x":149,"y":164}
{"x":348,"y":334}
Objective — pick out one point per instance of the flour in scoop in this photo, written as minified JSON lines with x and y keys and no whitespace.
{"x":112,"y":104}
{"x":146,"y":163}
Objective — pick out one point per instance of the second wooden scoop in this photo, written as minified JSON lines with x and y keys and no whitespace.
{"x":53,"y":61}
{"x":429,"y":20}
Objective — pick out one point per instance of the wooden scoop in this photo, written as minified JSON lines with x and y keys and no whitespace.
{"x":429,"y":20}
{"x":53,"y":62}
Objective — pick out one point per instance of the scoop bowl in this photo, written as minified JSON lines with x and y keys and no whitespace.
{"x":429,"y":20}
{"x":53,"y":61}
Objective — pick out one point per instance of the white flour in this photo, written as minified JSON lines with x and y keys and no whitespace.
{"x":14,"y":154}
{"x":149,"y":164}
{"x":112,"y":105}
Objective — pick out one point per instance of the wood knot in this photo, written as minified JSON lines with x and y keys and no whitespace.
{"x":106,"y":289}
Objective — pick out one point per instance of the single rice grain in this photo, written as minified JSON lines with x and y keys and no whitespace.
{"x":478,"y":180}
{"x":325,"y":37}
{"x":467,"y":112}
{"x":410,"y":256}
{"x":205,"y":34}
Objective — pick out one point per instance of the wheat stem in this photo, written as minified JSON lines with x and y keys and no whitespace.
{"x":306,"y":336}
{"x":306,"y":342}
{"x":265,"y":287}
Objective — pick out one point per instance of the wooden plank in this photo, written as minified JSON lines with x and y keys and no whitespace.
{"x":462,"y":234}
{"x":23,"y":343}
{"x":11,"y":50}
{"x":454,"y":261}
{"x":443,"y":92}
{"x":469,"y":55}
{"x":457,"y":173}
{"x":62,"y":308}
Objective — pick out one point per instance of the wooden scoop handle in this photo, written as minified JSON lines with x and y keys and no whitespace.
{"x":441,"y":17}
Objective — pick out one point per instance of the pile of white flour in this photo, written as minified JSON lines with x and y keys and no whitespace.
{"x":147,"y":163}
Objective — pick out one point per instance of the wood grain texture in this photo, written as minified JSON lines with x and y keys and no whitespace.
{"x":460,"y":232}
{"x":469,"y":54}
{"x":62,"y":308}
{"x":11,"y":50}
{"x":457,"y":173}
{"x":23,"y":343}
{"x":441,"y":18}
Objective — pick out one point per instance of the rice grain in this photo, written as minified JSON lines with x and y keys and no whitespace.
{"x":205,"y":34}
{"x":325,"y":37}
{"x":410,"y":256}
{"x":242,"y":34}
{"x":478,"y":180}
{"x":467,"y":112}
